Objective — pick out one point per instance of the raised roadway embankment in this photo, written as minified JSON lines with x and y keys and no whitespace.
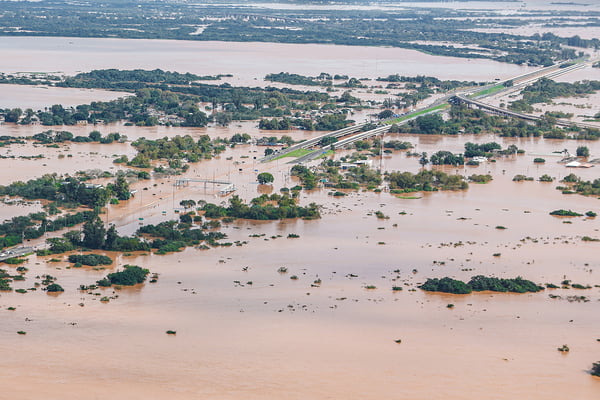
{"x":15,"y":252}
{"x":314,"y":141}
{"x":468,"y":97}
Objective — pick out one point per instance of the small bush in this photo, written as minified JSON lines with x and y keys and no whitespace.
{"x":15,"y":261}
{"x":54,"y":287}
{"x":565,"y":213}
{"x":90,"y":259}
{"x":595,"y":369}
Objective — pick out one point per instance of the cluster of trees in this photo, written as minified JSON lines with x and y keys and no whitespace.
{"x":262,"y":208}
{"x":474,"y":121}
{"x":175,"y":149}
{"x":34,"y":225}
{"x":565,"y":213}
{"x":171,"y":236}
{"x":480,"y":283}
{"x":68,"y":191}
{"x":283,"y":124}
{"x":143,"y":109}
{"x":418,"y":88}
{"x":446,"y":158}
{"x":129,"y":276}
{"x":130,"y":79}
{"x":158,"y":102}
{"x":428,"y":81}
{"x":398,"y":145}
{"x":90,"y":259}
{"x":51,"y":136}
{"x":167,"y":104}
{"x":295,"y":79}
{"x":586,"y":188}
{"x":326,"y":122}
{"x":425,"y":180}
{"x":6,"y":279}
{"x":95,"y":236}
{"x":307,"y":177}
{"x":431,"y":124}
{"x":480,"y":178}
{"x":478,"y":150}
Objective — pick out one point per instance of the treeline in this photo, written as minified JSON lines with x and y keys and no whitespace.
{"x":131,"y":79}
{"x":474,"y":121}
{"x":67,"y":191}
{"x":262,"y":208}
{"x":295,"y":79}
{"x":94,"y":236}
{"x":327,"y":122}
{"x":170,"y":236}
{"x":480,"y":283}
{"x":544,"y":90}
{"x":428,"y":81}
{"x":51,"y":136}
{"x":407,"y":28}
{"x":166,"y":104}
{"x":174,"y":149}
{"x":35,"y":225}
{"x":426,"y":180}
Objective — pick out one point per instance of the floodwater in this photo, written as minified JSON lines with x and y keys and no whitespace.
{"x":278,"y":337}
{"x":242,"y":340}
{"x":39,"y":97}
{"x":72,"y":55}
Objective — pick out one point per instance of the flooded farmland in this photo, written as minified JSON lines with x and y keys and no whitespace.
{"x":245,"y":329}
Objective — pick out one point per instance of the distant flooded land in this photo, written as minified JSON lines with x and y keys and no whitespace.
{"x":300,"y":199}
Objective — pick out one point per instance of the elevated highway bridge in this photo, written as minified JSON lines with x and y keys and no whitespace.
{"x":471,"y":98}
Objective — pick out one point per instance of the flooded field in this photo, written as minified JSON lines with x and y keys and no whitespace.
{"x":38,"y":97}
{"x":244,"y":330}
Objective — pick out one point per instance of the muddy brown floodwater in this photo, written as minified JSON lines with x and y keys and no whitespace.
{"x":246,"y":331}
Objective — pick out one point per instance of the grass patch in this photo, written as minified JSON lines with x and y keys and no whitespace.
{"x":488,"y":91}
{"x":295,"y":153}
{"x":416,"y":114}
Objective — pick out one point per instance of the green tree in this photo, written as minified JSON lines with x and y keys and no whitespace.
{"x":326,"y":141}
{"x":430,"y":124}
{"x":13,"y":115}
{"x":111,"y":237}
{"x":385,"y":114}
{"x":95,"y":136}
{"x":583,"y":151}
{"x":121,"y":189}
{"x":187,"y":203}
{"x":94,"y":233}
{"x":264,"y":178}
